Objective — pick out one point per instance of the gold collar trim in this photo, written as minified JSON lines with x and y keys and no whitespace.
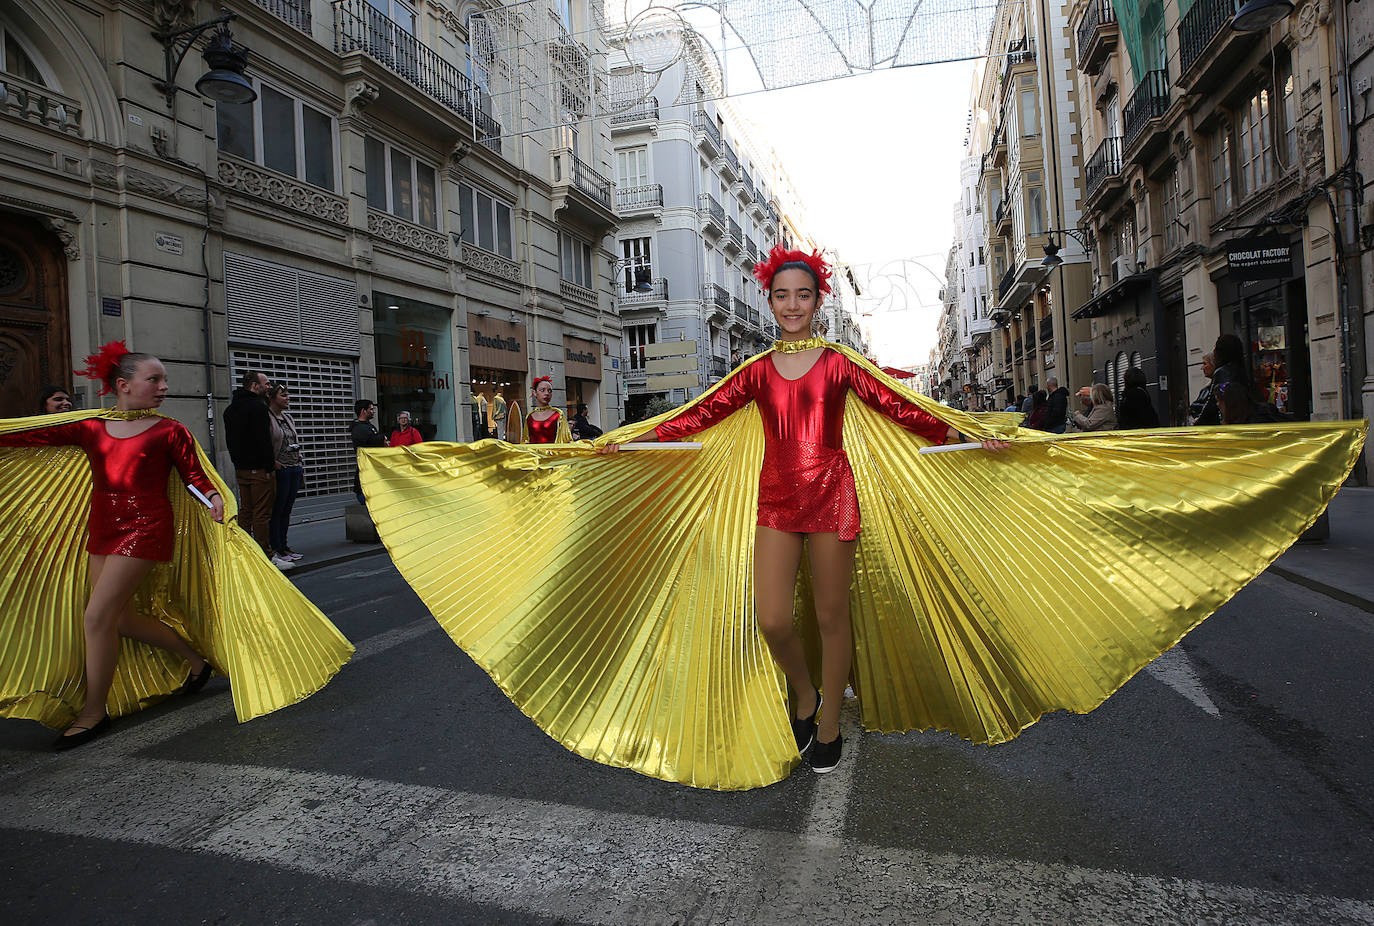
{"x":132,"y":414}
{"x":791,"y":347}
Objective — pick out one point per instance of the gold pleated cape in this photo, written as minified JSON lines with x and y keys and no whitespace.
{"x":989,"y":588}
{"x":219,"y":592}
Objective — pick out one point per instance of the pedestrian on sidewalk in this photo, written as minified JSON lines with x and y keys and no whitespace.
{"x":53,"y":400}
{"x":1056,"y":407}
{"x":1135,"y":410}
{"x":405,"y":434}
{"x":1102,"y":416}
{"x":290,"y":473}
{"x":1228,"y":356}
{"x":1039,"y":402}
{"x":248,"y":432}
{"x":1195,"y":410}
{"x":364,"y":434}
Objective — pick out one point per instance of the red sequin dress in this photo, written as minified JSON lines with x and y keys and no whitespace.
{"x":806,"y":484}
{"x":542,"y":432}
{"x":130,"y":513}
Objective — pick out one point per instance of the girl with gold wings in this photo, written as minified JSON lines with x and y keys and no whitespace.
{"x":641,"y":636}
{"x":545,"y":424}
{"x":172,"y":594}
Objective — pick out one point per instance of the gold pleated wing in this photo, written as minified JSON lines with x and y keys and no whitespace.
{"x":219,"y":592}
{"x":990,"y":588}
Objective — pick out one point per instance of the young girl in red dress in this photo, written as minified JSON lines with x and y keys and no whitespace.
{"x":131,"y":527}
{"x":807,"y":496}
{"x":544,"y":422}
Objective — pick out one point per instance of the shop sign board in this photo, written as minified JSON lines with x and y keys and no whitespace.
{"x":671,"y":365}
{"x":495,"y":344}
{"x":1260,"y":257}
{"x":581,"y":358}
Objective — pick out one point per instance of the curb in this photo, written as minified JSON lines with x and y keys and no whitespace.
{"x":303,"y":568}
{"x":1329,"y":591}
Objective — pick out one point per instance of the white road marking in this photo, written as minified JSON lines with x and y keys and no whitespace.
{"x":594,"y":866}
{"x":830,"y":799}
{"x":1176,"y":670}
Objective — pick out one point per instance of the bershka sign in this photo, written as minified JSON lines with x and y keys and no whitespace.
{"x":1260,"y":257}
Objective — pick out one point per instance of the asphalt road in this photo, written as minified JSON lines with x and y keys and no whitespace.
{"x":1232,"y":781}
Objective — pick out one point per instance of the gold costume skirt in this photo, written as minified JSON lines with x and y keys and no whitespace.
{"x":989,"y":588}
{"x":219,"y":592}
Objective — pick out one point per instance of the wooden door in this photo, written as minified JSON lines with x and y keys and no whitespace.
{"x":35,"y":338}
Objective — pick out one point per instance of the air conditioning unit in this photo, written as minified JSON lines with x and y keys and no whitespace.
{"x":1121,"y":267}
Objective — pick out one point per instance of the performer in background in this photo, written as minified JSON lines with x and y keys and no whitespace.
{"x":132,"y":526}
{"x":645,"y":633}
{"x":545,"y":424}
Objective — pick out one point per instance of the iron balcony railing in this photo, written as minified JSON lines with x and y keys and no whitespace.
{"x":1199,"y":26}
{"x":748,"y":183}
{"x":709,"y":131}
{"x":734,"y":232}
{"x":751,"y":249}
{"x":1017,"y":52}
{"x":741,"y":308}
{"x":659,"y":293}
{"x":590,"y":182}
{"x":1099,"y":13}
{"x":1149,"y":101}
{"x":1016,"y":347}
{"x":358,"y":26}
{"x":710,"y":210}
{"x":639,"y":197}
{"x":1002,"y":214}
{"x":719,"y":367}
{"x":713,"y":294}
{"x":626,"y":112}
{"x":1104,"y":164}
{"x":1005,"y":285}
{"x":1046,"y":329}
{"x":295,"y":12}
{"x":727,"y":151}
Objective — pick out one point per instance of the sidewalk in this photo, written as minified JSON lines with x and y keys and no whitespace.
{"x":1341,"y":567}
{"x":317,"y":533}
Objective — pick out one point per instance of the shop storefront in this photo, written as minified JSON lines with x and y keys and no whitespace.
{"x":582,"y":376}
{"x":498,"y":359}
{"x":1264,"y":302}
{"x":414,"y":343}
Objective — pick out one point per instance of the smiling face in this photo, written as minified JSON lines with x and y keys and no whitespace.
{"x":57,"y":402}
{"x":543,"y":393}
{"x":146,"y":388}
{"x":793,"y":300}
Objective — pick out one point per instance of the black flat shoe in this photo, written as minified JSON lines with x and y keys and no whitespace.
{"x":826,"y":756}
{"x":805,"y":730}
{"x":196,"y":680}
{"x":66,"y":741}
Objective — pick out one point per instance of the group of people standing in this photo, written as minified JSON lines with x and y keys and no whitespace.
{"x":265,"y":448}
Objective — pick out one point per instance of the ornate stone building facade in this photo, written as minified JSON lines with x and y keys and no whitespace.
{"x":391,"y":217}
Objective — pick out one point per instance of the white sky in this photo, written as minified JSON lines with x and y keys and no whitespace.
{"x":875,"y":161}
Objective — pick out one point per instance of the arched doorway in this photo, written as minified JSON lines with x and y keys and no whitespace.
{"x":34,"y":331}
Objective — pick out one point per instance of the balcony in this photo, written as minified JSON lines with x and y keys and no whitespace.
{"x":729,"y":169}
{"x":637,"y":199}
{"x":1019,"y":52}
{"x":747,"y":182}
{"x":1104,"y":165}
{"x":581,"y":190}
{"x":719,"y":367}
{"x":637,"y":112}
{"x":999,"y":145}
{"x":708,"y":134}
{"x":295,"y":12}
{"x":1202,"y":23}
{"x":1046,"y":329}
{"x":632,"y":299}
{"x":1016,"y":350}
{"x":716,"y":299}
{"x":359,"y":27}
{"x":741,"y":310}
{"x":712,"y":215}
{"x":1001,"y":220}
{"x":751,"y":250}
{"x":734,"y":237}
{"x":1147,"y":104}
{"x":32,"y":102}
{"x":1097,"y":35}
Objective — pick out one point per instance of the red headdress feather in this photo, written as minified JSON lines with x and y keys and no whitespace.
{"x":102,"y":363}
{"x":540,"y":379}
{"x":764,"y":269}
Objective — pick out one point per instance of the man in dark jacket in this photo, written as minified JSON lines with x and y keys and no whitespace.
{"x":248,"y":432}
{"x":1056,"y":407}
{"x":364,"y":434}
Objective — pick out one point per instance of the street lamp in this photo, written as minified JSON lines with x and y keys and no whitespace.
{"x":224,"y":82}
{"x":644,"y":276}
{"x":1052,"y":249}
{"x":1259,"y":15}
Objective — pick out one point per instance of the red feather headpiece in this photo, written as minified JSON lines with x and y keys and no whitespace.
{"x":764,"y":269}
{"x":102,"y":363}
{"x":540,"y":379}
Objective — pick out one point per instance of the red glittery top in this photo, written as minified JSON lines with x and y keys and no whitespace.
{"x":542,"y":432}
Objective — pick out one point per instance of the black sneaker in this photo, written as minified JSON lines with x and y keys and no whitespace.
{"x":826,"y":756}
{"x":805,"y":730}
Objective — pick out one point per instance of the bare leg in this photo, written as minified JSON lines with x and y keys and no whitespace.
{"x":777,"y":557}
{"x":150,"y":630}
{"x":113,"y":580}
{"x":832,"y":567}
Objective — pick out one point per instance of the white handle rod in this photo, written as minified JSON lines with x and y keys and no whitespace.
{"x":200,"y":495}
{"x":661,"y":445}
{"x":945,"y":448}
